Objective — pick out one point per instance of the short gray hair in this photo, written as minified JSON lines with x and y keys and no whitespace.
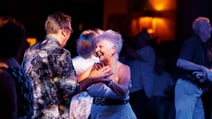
{"x":198,"y":22}
{"x":113,"y":37}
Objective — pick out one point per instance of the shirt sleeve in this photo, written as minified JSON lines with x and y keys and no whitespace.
{"x":187,"y":50}
{"x":65,"y":76}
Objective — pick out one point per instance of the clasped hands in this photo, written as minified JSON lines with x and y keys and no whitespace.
{"x":100,"y":72}
{"x":203,"y":76}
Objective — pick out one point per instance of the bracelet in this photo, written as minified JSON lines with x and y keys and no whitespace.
{"x":110,"y":83}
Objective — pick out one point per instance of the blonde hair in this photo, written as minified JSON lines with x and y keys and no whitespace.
{"x":56,"y":21}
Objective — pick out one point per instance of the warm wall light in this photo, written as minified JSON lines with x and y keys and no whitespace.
{"x":31,"y":40}
{"x":145,"y":22}
{"x":138,"y":24}
{"x":159,"y":19}
{"x":163,"y":5}
{"x":161,"y":27}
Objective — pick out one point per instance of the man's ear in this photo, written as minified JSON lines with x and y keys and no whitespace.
{"x":63,"y":32}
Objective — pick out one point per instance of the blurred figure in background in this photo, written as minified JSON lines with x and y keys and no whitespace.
{"x":141,"y":60}
{"x":16,"y":91}
{"x":137,"y":94}
{"x":162,"y":100}
{"x":195,"y":55}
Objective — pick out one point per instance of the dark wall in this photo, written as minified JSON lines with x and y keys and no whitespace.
{"x":90,"y":14}
{"x":32,"y":13}
{"x":187,"y":11}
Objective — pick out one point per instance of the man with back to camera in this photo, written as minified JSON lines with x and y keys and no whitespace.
{"x":49,"y":66}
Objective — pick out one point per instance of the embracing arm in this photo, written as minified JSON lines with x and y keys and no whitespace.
{"x":84,"y":75}
{"x":94,"y":75}
{"x":200,"y":71}
{"x":188,"y":65}
{"x":122,"y":86}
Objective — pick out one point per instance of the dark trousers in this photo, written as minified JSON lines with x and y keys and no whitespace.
{"x":207,"y":104}
{"x":139,"y":104}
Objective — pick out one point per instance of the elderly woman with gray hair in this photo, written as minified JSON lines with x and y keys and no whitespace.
{"x":111,"y":96}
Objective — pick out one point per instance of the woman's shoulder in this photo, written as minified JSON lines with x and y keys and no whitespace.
{"x":123,"y":66}
{"x":123,"y":69}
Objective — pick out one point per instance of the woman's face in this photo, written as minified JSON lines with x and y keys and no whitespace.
{"x":104,"y":50}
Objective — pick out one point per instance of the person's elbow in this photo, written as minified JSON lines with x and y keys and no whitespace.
{"x":179,"y":62}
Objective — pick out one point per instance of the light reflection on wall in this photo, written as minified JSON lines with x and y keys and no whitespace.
{"x":31,"y":40}
{"x":160,"y":23}
{"x":162,"y":5}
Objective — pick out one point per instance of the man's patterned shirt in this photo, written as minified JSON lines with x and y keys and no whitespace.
{"x":50,"y":68}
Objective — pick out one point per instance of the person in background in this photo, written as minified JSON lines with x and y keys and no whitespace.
{"x":137,"y":93}
{"x":141,"y":61}
{"x":162,"y":102}
{"x":16,"y":90}
{"x":81,"y":102}
{"x":195,"y":55}
{"x":50,"y":67}
{"x":111,"y":96}
{"x":146,"y":55}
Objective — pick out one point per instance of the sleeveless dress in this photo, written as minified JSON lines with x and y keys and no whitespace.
{"x":24,"y":92}
{"x":98,"y":111}
{"x":101,"y":110}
